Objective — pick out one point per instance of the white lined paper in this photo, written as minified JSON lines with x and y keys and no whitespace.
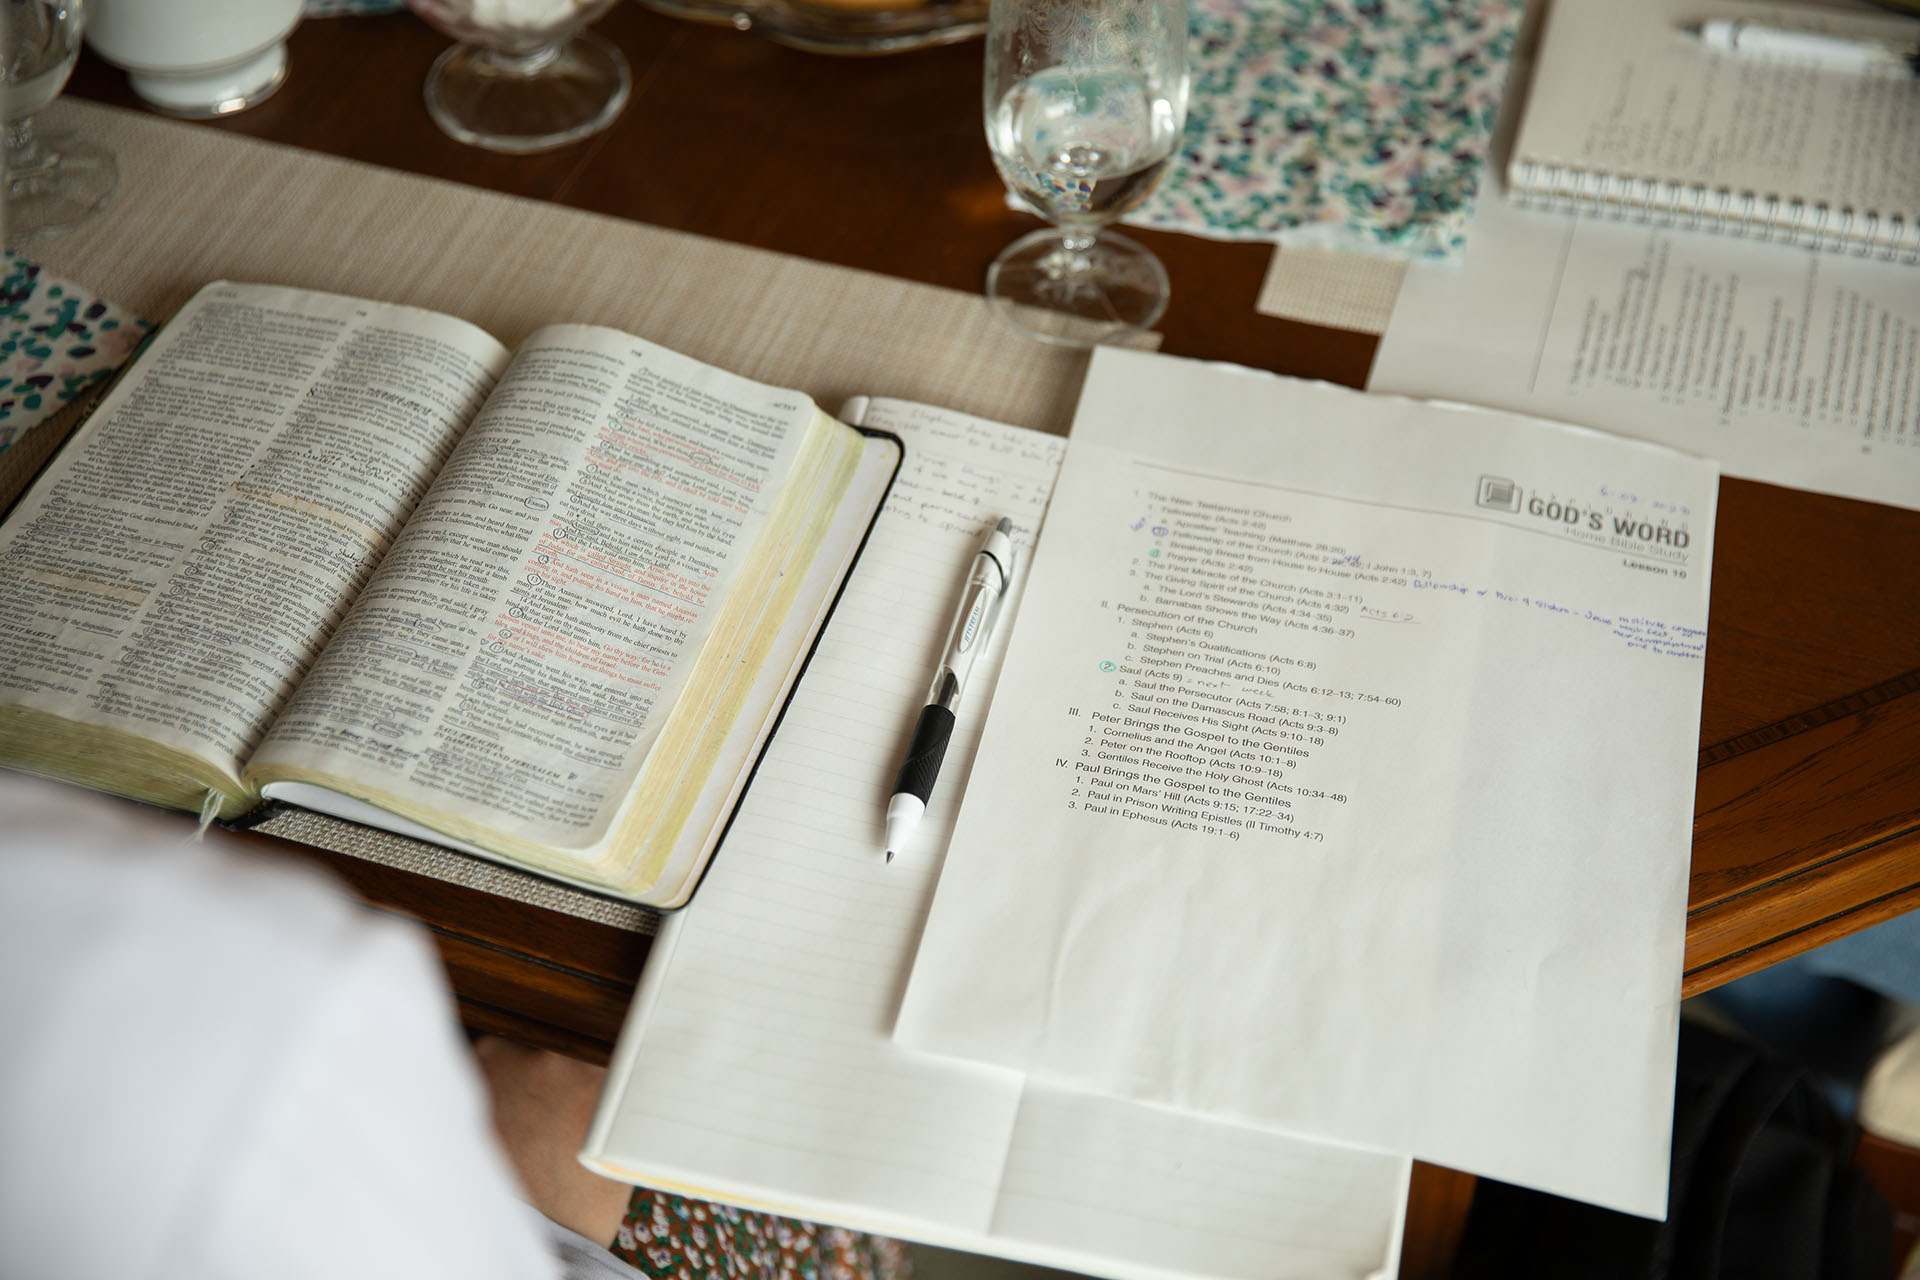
{"x":758,"y":1064}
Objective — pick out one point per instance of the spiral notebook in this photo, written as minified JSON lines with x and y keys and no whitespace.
{"x":1630,"y":115}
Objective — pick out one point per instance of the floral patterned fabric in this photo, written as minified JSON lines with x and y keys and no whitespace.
{"x":56,"y":340}
{"x":1348,"y":124}
{"x":668,"y":1236}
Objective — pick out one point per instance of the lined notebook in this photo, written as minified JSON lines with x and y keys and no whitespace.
{"x":1629,"y":115}
{"x":758,"y":1066}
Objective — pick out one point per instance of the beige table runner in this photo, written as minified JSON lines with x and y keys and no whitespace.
{"x":196,"y":204}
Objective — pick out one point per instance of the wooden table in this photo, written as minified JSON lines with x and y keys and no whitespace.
{"x":1807,"y":819}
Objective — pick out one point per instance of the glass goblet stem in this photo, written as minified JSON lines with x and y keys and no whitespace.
{"x":54,"y":185}
{"x":524,"y":63}
{"x":1077,"y":287}
{"x":27,"y":161}
{"x":519,"y":99}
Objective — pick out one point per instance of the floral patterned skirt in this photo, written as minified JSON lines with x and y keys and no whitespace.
{"x":671,"y":1236}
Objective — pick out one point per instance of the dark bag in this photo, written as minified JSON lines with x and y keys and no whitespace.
{"x":1761,"y":1190}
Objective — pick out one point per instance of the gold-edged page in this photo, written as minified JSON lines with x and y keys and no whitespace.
{"x":172,"y":576}
{"x":758,"y":602}
{"x":503,"y":677}
{"x":682,"y":852}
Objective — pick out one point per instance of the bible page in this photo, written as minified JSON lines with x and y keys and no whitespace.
{"x":1340,"y":779}
{"x":522,"y":645}
{"x":185,"y":557}
{"x":757,"y":1065}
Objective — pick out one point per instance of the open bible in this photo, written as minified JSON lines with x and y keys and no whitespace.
{"x":544,"y":605}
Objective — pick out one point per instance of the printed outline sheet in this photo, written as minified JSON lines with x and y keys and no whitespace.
{"x":1789,"y":366}
{"x":1340,"y":779}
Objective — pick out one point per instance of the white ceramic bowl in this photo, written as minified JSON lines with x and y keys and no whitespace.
{"x":195,"y":58}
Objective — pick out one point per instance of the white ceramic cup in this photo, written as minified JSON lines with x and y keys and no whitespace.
{"x":195,"y":58}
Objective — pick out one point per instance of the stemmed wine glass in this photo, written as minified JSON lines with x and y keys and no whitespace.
{"x":525,"y":76}
{"x":1085,"y":101}
{"x":54,"y":182}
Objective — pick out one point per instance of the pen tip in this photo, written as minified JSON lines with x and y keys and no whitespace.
{"x":889,"y":855}
{"x":1005,"y":525}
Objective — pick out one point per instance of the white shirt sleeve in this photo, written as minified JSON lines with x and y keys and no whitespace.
{"x":216,"y":1064}
{"x":580,"y":1258}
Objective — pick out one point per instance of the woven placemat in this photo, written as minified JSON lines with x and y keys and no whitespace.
{"x":1339,"y":290}
{"x":196,"y":204}
{"x":387,"y":849}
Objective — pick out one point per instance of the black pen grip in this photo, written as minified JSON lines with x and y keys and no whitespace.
{"x":924,"y":754}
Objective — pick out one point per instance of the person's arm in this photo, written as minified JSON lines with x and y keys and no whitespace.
{"x":542,"y":1104}
{"x":218,"y":1063}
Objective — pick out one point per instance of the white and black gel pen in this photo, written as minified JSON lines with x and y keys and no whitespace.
{"x":1813,"y":48}
{"x":972,"y":628}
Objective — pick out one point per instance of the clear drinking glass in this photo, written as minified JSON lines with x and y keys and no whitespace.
{"x":1085,"y":101}
{"x":59,"y":180}
{"x":525,"y":76}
